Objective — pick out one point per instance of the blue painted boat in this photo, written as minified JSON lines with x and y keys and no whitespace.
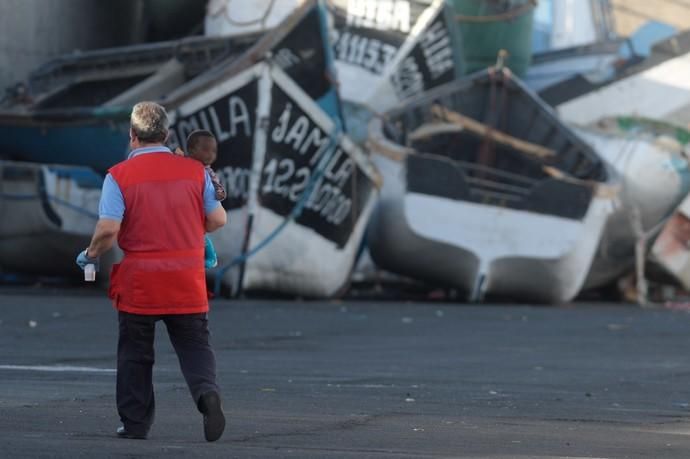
{"x":96,"y":143}
{"x":75,"y":109}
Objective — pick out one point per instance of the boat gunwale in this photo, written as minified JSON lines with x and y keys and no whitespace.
{"x":226,"y":68}
{"x":441,"y":93}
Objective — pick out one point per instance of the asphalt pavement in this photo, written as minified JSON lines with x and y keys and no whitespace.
{"x":319,"y":379}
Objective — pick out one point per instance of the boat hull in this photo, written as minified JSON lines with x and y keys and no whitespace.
{"x":53,"y":212}
{"x":299,"y":191}
{"x":484,"y":251}
{"x":654,"y":181}
{"x":107,"y":141}
{"x":512,"y":211}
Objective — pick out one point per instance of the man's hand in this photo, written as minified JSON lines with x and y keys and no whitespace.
{"x":83,"y":259}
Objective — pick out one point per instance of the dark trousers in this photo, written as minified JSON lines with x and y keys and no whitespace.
{"x":189,"y":336}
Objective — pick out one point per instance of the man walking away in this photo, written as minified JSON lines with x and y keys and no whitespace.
{"x":158,"y":205}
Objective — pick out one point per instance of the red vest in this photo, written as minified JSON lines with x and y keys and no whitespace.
{"x":162,"y":236}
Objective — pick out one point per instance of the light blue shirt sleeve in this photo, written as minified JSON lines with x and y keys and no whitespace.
{"x":210,"y":202}
{"x":112,"y":204}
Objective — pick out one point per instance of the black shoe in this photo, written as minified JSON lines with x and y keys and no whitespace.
{"x":124,"y":433}
{"x":214,"y":420}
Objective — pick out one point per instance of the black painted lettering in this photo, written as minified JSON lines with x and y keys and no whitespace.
{"x":357,"y":49}
{"x":297,"y":188}
{"x":239,"y":116}
{"x":387,"y":54}
{"x":185,"y":127}
{"x":408,"y":80}
{"x":286,"y":58}
{"x":344,"y":172}
{"x":283,"y":121}
{"x":235,"y":181}
{"x":372,"y":56}
{"x":315,"y":139}
{"x":332,"y":203}
{"x":380,"y":15}
{"x":204,"y":120}
{"x":298,"y":132}
{"x":342,"y":212}
{"x":437,"y":50}
{"x":217,"y":130}
{"x":323,"y":194}
{"x":288,"y":169}
{"x":270,"y":172}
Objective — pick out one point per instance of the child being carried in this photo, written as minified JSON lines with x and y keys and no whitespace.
{"x":202,"y":146}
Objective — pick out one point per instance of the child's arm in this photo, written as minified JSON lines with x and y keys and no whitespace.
{"x":217,"y":186}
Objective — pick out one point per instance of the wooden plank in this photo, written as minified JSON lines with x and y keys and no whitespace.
{"x":482,"y":129}
{"x":464,"y":122}
{"x":427,"y":130}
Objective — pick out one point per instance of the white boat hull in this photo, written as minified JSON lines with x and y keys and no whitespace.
{"x":298,"y":262}
{"x":654,"y":180}
{"x":306,"y":254}
{"x":483,"y":250}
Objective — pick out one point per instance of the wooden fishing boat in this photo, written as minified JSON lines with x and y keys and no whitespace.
{"x":497,"y":198}
{"x":75,"y":109}
{"x":296,"y":186}
{"x":84,"y":99}
{"x":299,"y":191}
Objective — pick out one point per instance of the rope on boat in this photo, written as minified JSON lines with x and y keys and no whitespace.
{"x":331,"y":148}
{"x":505,"y":16}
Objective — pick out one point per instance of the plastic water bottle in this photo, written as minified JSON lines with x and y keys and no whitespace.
{"x":90,"y":272}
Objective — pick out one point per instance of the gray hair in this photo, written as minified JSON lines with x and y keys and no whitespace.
{"x":149,"y":122}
